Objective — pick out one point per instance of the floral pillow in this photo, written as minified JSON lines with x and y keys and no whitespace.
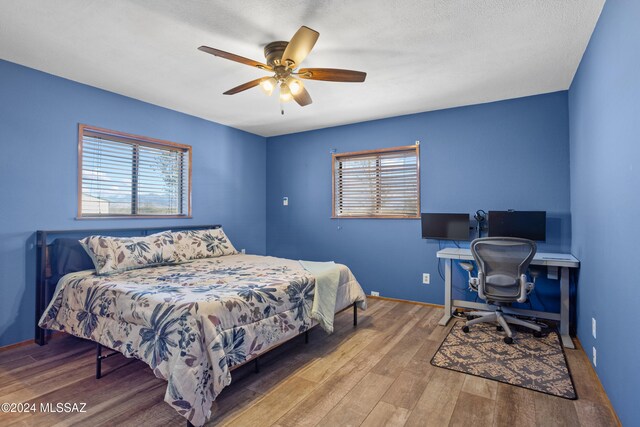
{"x":116,"y":254}
{"x":195,"y":244}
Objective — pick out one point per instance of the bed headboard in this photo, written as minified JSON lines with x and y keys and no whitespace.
{"x":44,"y":246}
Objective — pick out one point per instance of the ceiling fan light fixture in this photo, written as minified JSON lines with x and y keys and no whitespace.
{"x":268,"y":85}
{"x":285,"y":93}
{"x":295,"y":85}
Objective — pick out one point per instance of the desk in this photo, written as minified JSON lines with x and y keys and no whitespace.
{"x":553,"y":261}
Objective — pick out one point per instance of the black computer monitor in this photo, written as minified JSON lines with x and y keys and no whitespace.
{"x":445,"y":226}
{"x":530,"y":225}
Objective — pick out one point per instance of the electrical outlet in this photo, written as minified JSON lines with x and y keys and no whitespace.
{"x":285,"y":201}
{"x":593,"y":326}
{"x":595,"y":360}
{"x":243,"y":251}
{"x":375,"y":293}
{"x":426,"y":278}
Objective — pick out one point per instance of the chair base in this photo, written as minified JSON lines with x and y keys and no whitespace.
{"x":501,"y":319}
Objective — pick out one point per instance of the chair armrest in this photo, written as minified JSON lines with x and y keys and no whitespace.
{"x":467,"y":266}
{"x":473,"y":281}
{"x":525,"y":285}
{"x":481,"y":282}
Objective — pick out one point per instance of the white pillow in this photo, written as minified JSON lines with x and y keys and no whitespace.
{"x":117,"y":254}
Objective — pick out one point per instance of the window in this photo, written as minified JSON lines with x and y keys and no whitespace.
{"x":123,"y":175}
{"x":381,"y":183}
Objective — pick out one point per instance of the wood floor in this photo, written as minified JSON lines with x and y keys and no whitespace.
{"x":375,"y":375}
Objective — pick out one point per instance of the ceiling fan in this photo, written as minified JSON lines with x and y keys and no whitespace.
{"x":283,"y":60}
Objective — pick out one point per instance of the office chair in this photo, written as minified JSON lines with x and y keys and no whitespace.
{"x":502,"y":263}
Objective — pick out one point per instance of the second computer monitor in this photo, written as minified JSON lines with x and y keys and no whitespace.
{"x":445,"y":226}
{"x":530,"y":225}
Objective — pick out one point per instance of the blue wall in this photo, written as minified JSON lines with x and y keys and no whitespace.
{"x":509,"y":154}
{"x":604,"y":106}
{"x":39,"y":116}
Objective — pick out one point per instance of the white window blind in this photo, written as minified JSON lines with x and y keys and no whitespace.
{"x":127,"y":175}
{"x":377,"y":184}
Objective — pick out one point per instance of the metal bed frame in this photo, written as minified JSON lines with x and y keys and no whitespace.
{"x":43,"y":287}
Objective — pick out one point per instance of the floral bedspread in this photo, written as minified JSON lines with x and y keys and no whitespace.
{"x":190,"y":322}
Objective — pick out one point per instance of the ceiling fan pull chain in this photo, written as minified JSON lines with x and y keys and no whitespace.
{"x":281,"y":108}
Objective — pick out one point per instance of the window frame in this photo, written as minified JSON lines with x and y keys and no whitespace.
{"x":336,"y":156}
{"x":140,"y":140}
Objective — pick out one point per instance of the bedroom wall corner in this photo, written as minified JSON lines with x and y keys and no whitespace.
{"x":511,"y":154}
{"x":39,"y":116}
{"x":604,"y":108}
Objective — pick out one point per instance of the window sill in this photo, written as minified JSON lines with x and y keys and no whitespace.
{"x":82,"y":218}
{"x":375,"y":217}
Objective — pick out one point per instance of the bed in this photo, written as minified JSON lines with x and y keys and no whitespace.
{"x":193,"y":322}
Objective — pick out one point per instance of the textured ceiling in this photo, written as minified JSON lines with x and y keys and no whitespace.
{"x":420,"y":55}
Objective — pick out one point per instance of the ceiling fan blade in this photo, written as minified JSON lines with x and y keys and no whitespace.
{"x":234,"y":57}
{"x":303,"y":98}
{"x":300,"y":45}
{"x":245,"y":86}
{"x":332,"y":75}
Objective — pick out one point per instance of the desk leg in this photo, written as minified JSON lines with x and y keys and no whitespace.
{"x":564,"y":308}
{"x":447,"y":293}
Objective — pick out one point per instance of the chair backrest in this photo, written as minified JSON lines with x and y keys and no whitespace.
{"x":503,"y":258}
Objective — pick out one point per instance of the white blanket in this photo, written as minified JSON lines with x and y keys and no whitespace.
{"x":327,"y":275}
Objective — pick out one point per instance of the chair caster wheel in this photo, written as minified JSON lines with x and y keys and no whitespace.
{"x":499,"y":328}
{"x":537,"y":334}
{"x":465,"y":329}
{"x":508,"y":340}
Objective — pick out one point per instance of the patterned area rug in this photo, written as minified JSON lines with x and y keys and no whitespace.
{"x":535,"y":363}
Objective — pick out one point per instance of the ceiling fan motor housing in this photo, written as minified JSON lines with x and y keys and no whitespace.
{"x":273,"y":52}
